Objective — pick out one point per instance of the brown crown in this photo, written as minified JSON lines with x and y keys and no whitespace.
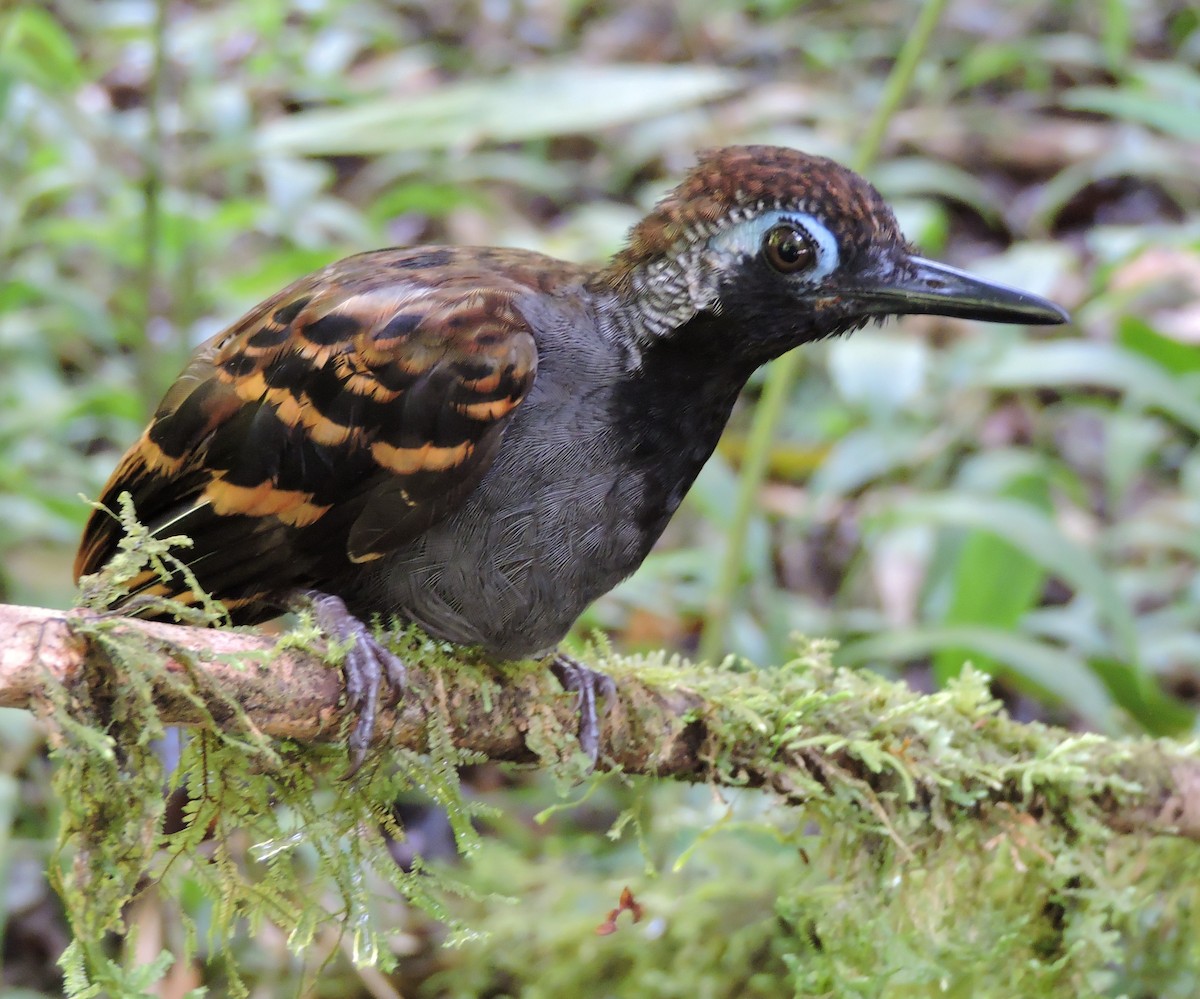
{"x":751,"y":177}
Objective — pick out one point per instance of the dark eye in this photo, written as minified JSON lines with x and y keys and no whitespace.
{"x":789,"y":249}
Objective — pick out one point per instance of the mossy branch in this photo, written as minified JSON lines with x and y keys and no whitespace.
{"x":805,"y":730}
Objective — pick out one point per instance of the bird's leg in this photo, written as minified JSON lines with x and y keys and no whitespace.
{"x":573,"y":675}
{"x":366,"y":664}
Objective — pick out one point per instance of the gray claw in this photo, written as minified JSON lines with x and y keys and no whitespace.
{"x":573,"y":675}
{"x":367,"y":663}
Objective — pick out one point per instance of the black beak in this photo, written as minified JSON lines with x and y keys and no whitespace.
{"x":927,"y":287}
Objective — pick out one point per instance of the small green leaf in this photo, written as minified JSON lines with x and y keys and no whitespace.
{"x":864,"y":455}
{"x":1078,"y":363}
{"x":1140,"y":695}
{"x":1048,"y":669}
{"x":919,"y":175}
{"x":992,"y":582}
{"x":34,"y":46}
{"x":1137,"y":335}
{"x":1034,"y":533}
{"x":1143,"y":107}
{"x":526,"y":104}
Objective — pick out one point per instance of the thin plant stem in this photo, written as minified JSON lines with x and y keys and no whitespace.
{"x":782,"y":374}
{"x":146,"y":359}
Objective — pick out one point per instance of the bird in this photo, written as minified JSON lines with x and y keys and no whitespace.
{"x":482,"y":441}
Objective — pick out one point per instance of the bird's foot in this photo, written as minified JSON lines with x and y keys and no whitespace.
{"x":367,"y":663}
{"x":588,"y":683}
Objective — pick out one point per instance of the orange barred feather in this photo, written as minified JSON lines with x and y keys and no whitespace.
{"x":336,"y":420}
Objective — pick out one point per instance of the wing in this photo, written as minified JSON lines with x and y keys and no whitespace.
{"x":334,"y":422}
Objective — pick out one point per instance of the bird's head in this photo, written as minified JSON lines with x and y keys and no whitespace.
{"x":789,"y":248}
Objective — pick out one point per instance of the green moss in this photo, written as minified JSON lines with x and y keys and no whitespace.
{"x":750,"y":899}
{"x":261,"y":823}
{"x":929,"y":845}
{"x":940,"y":849}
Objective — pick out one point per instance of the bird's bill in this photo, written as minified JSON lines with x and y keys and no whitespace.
{"x":930,"y":288}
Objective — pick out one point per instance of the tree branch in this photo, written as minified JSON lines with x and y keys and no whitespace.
{"x":801,"y":730}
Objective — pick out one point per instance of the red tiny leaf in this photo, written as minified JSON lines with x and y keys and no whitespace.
{"x":626,"y":903}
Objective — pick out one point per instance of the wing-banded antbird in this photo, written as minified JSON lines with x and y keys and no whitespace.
{"x":483,"y":441}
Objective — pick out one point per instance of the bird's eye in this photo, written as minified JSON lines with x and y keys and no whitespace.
{"x":789,"y":249}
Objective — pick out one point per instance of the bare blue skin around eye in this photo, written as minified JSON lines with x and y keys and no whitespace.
{"x":745,"y":240}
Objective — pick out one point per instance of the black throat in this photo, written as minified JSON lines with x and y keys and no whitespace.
{"x":670,"y":414}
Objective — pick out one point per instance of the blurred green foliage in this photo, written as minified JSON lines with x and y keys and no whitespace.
{"x":1026,"y":501}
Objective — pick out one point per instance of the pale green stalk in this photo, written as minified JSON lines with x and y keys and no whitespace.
{"x":781,"y":376}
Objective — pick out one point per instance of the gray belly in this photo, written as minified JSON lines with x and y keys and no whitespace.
{"x":552,"y":526}
{"x":556,"y":521}
{"x":594,"y":463}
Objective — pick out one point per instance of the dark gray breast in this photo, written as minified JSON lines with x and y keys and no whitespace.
{"x":586,"y":478}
